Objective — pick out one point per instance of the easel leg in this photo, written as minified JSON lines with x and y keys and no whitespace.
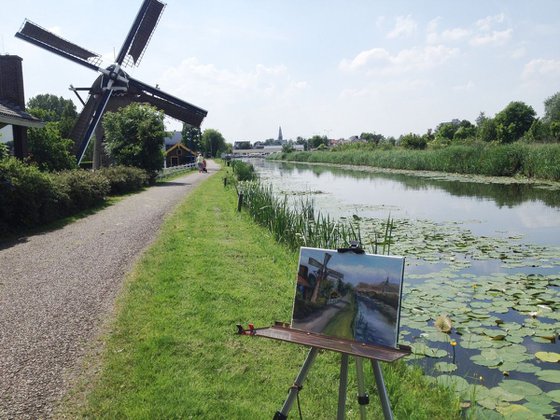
{"x":381,"y":390}
{"x":292,"y":394}
{"x":342,"y":387}
{"x":363,"y":397}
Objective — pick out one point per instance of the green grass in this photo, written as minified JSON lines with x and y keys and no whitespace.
{"x":171,"y":352}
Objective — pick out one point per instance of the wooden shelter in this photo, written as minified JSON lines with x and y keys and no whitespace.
{"x":179,"y":154}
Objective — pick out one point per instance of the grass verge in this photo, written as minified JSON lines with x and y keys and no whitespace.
{"x":172,"y":352}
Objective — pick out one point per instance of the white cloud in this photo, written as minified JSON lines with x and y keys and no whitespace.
{"x":404,"y":26}
{"x":208,"y":81}
{"x":447,"y":35}
{"x":455,"y":34}
{"x":519,"y":53}
{"x":541,"y":67}
{"x":464,"y":87}
{"x":379,"y":60}
{"x":488,"y":22}
{"x":494,"y":38}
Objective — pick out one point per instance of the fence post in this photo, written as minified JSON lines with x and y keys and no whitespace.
{"x":239,"y":201}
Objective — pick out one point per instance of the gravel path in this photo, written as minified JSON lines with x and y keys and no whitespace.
{"x":56,"y":289}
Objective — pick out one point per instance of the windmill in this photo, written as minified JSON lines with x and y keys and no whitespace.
{"x":114,"y":88}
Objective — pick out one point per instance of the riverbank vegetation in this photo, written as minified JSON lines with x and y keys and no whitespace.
{"x":514,"y":142}
{"x":540,"y":161}
{"x":172,"y":351}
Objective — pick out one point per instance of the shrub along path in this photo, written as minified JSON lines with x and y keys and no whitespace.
{"x":57,"y":288}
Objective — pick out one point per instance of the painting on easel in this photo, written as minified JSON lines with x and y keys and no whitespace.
{"x":350,"y":296}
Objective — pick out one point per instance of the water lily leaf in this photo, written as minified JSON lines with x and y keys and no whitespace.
{"x":543,"y":398}
{"x":445,"y":367}
{"x":540,"y":408}
{"x":482,"y":361}
{"x":501,"y":395}
{"x":527,"y":368}
{"x":454,"y":382}
{"x":520,"y":387}
{"x":516,"y":411}
{"x":555,"y":395}
{"x":549,"y":376}
{"x":547,"y":356}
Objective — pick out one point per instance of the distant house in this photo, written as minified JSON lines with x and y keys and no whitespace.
{"x":179,"y":154}
{"x":173,"y":139}
{"x":12,"y":104}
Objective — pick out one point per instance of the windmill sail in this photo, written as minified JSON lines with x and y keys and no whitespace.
{"x":141,"y":31}
{"x":34,"y":34}
{"x":172,"y":106}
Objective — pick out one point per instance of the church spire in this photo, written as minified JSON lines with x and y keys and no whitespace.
{"x":280,"y":134}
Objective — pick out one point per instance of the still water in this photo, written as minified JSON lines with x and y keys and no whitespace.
{"x":495,"y":270}
{"x":486,"y":209}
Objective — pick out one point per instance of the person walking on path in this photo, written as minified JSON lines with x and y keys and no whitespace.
{"x":57,"y":288}
{"x":200,"y":162}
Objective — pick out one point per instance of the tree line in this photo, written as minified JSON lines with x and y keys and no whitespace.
{"x":134,"y":136}
{"x":516,"y":122}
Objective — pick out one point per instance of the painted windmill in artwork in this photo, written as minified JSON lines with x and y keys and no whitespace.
{"x":114,"y":88}
{"x":322,"y":274}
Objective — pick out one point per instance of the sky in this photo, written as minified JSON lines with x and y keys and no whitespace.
{"x":313,"y":67}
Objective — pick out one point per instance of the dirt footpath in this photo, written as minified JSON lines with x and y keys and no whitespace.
{"x":57,"y":288}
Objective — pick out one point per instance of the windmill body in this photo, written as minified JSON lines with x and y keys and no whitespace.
{"x":114,"y":88}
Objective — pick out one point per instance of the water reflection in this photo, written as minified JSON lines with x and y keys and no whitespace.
{"x":485,"y":209}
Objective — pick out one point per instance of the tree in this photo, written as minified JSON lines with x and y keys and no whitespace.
{"x":4,"y":152}
{"x":413,"y":141}
{"x":486,"y":130}
{"x":552,"y":109}
{"x":53,"y":108}
{"x":372,"y":137}
{"x":49,"y":150}
{"x":316,"y":141}
{"x":513,"y":121}
{"x":213,"y":143}
{"x":190,"y":137}
{"x":134,"y":137}
{"x":465,"y":131}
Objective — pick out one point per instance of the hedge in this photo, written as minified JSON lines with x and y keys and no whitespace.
{"x":30,"y":198}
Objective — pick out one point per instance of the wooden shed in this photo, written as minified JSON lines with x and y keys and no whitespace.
{"x":179,"y":154}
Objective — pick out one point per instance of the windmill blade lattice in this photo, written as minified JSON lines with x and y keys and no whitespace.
{"x":33,"y":33}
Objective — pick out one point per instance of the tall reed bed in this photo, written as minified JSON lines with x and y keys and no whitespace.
{"x":295,"y":225}
{"x":298,"y":224}
{"x":531,"y":160}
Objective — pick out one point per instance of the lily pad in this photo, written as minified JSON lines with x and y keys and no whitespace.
{"x":549,"y":376}
{"x":555,"y":395}
{"x":520,"y":387}
{"x":445,"y":367}
{"x":547,"y":356}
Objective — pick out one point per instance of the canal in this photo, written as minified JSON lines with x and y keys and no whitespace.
{"x":482,"y":253}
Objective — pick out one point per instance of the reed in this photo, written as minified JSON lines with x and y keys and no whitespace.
{"x":298,"y":224}
{"x":540,"y":161}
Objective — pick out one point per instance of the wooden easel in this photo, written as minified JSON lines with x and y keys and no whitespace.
{"x":282,"y":331}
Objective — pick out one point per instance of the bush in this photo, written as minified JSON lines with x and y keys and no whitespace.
{"x":28,"y":197}
{"x":243,"y":171}
{"x":85,"y":189}
{"x":125,"y":179}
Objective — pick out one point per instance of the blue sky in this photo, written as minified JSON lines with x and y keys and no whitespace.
{"x":335,"y":68}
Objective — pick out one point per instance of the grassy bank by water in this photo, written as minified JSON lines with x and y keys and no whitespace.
{"x":172,"y":352}
{"x":540,"y":161}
